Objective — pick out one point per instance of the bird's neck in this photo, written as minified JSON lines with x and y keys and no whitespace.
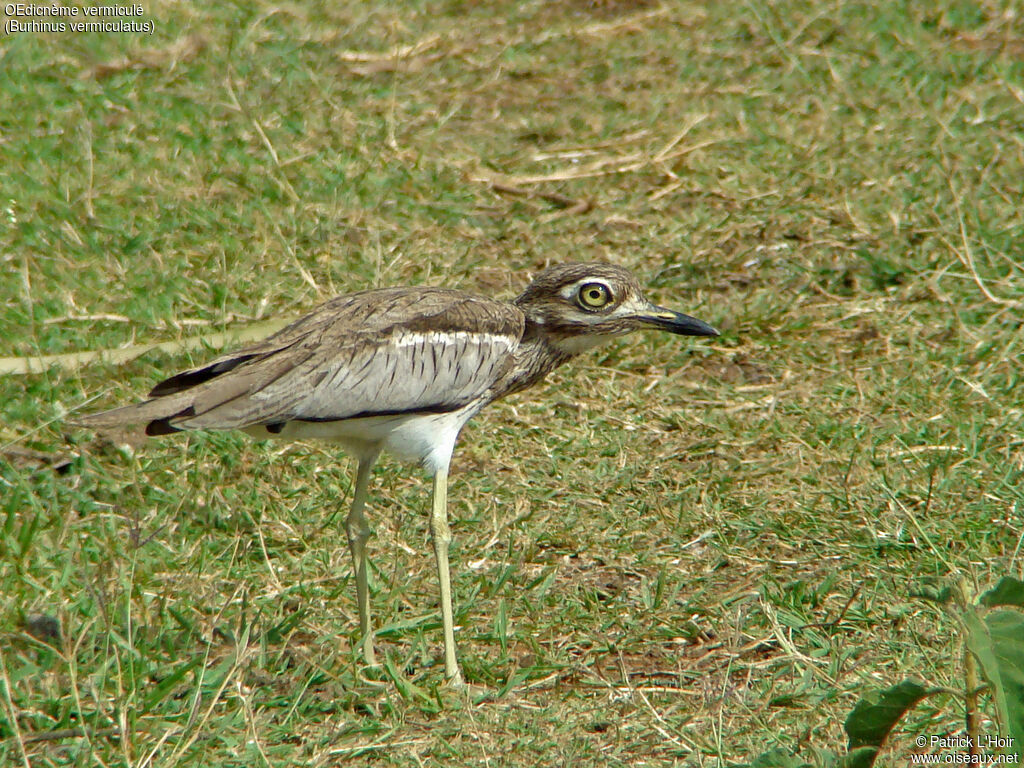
{"x":538,"y":353}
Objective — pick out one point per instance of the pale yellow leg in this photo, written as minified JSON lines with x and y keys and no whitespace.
{"x":358,"y":532}
{"x":442,"y":536}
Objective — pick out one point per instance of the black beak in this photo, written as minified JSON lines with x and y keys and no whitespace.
{"x":676,"y":322}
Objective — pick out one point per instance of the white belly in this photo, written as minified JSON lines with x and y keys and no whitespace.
{"x":428,"y":439}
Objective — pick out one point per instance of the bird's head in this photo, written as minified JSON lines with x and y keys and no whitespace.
{"x":578,"y":306}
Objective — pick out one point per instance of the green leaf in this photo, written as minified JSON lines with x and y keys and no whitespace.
{"x":1009,"y":591}
{"x":876,"y":714}
{"x":997,"y":640}
{"x":862,"y":757}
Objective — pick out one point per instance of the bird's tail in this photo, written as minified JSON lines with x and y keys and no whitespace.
{"x":156,"y":414}
{"x":171,"y":399}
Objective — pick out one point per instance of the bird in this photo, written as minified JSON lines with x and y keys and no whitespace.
{"x":401,"y":370}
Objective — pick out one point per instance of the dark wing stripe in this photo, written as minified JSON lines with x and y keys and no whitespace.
{"x":196,"y":376}
{"x":231,"y":407}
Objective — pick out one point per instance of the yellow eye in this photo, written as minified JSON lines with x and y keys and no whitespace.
{"x":594,"y":295}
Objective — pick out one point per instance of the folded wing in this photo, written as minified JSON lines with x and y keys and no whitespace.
{"x":387,"y":351}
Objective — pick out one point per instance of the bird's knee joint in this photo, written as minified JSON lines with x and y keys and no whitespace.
{"x":358,"y":531}
{"x":441,"y":531}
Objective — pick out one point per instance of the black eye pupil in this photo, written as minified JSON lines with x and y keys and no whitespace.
{"x":594,"y":295}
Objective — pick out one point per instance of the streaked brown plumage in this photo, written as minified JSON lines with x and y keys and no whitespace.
{"x":402,"y":370}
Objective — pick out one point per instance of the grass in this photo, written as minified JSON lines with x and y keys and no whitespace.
{"x":673,"y":553}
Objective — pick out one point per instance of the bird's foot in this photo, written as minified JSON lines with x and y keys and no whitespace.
{"x":456,"y":681}
{"x":365,"y":648}
{"x":459,"y":693}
